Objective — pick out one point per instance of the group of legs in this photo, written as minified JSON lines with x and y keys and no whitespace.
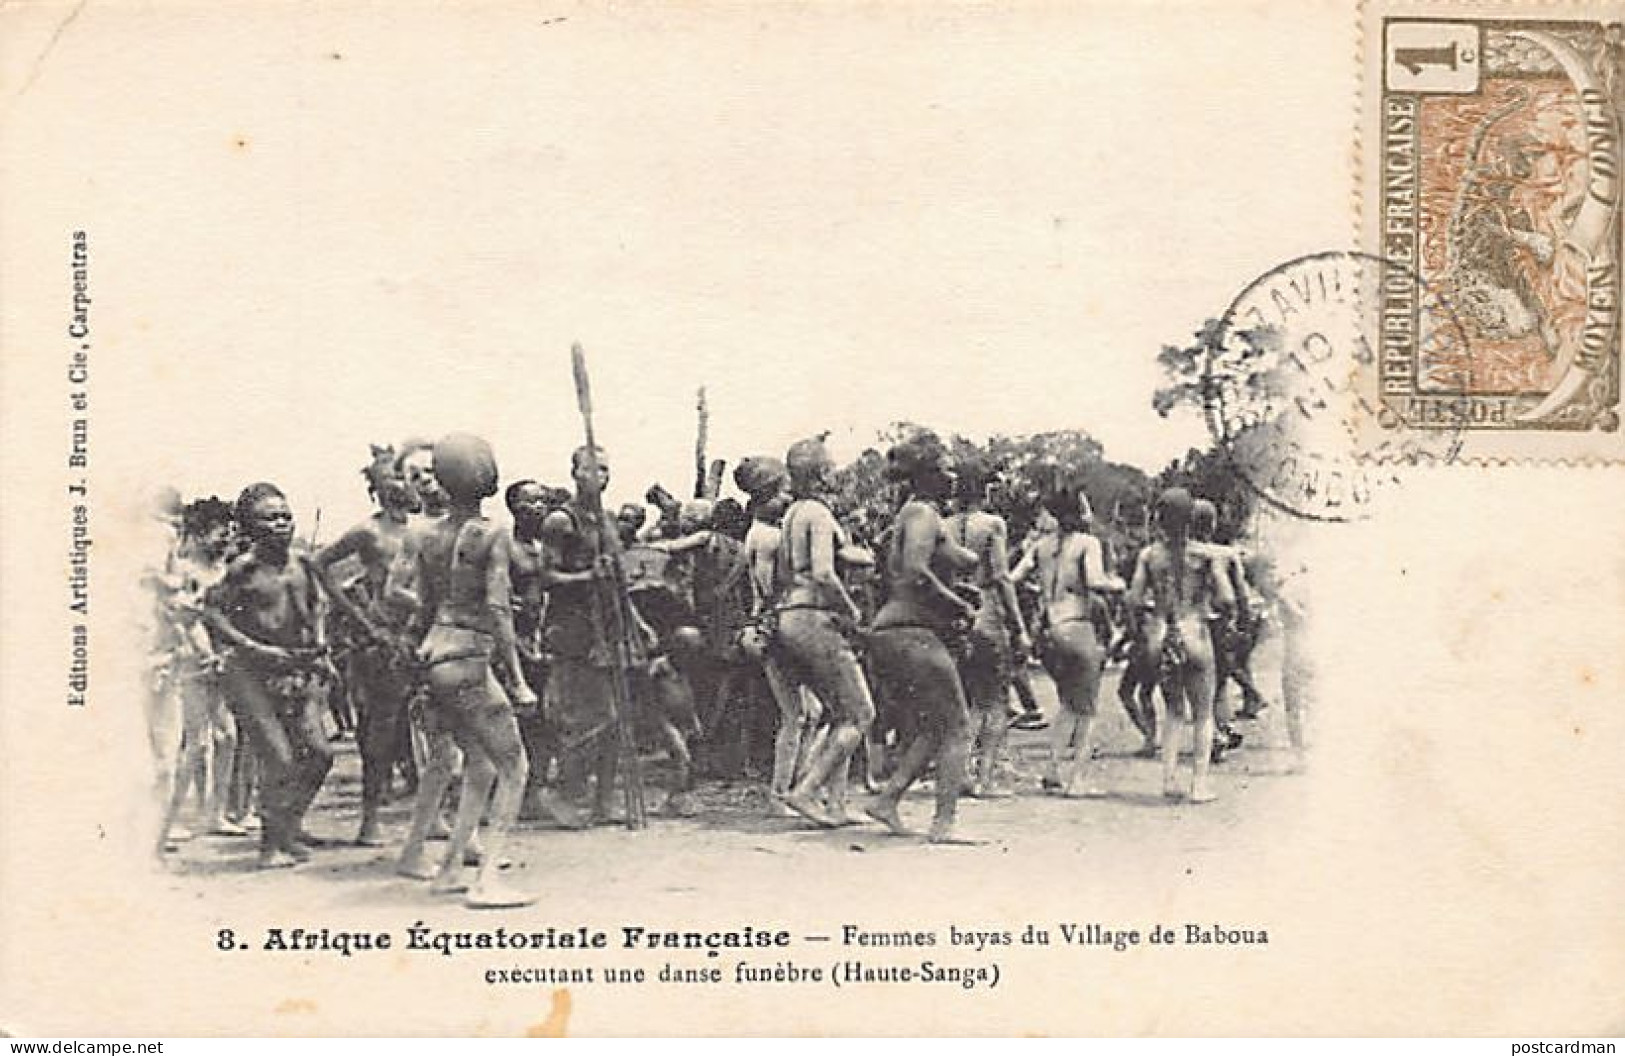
{"x":469,"y":721}
{"x":1165,"y":676}
{"x":279,"y":718}
{"x":472,"y":726}
{"x":816,"y":674}
{"x":196,"y":745}
{"x":1171,"y":679}
{"x":949,"y":712}
{"x":234,"y":749}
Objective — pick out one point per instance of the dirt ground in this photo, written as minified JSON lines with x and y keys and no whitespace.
{"x":731,"y":848}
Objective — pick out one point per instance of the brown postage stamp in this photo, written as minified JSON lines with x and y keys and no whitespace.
{"x":1492,"y":182}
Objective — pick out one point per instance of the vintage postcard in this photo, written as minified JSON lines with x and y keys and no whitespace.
{"x":892,"y":518}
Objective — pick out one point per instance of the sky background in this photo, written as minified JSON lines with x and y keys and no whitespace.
{"x":306,"y":242}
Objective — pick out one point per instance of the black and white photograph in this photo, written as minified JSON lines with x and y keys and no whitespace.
{"x":735,"y":519}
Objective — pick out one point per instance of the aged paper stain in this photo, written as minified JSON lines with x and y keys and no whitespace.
{"x":557,"y":1023}
{"x":296,"y":1006}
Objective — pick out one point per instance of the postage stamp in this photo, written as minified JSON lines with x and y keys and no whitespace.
{"x":1492,"y":178}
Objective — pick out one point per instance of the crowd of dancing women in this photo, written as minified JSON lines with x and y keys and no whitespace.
{"x":545,"y":656}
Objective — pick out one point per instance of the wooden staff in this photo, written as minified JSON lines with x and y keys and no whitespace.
{"x":701,"y":436}
{"x":613,"y":619}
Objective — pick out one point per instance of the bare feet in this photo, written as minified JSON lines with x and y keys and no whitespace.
{"x":942,"y":832}
{"x":1202,"y":793}
{"x":276,"y":858}
{"x":885,"y":812}
{"x":842,"y":816}
{"x":1171,"y":789}
{"x":368,"y":836}
{"x":226,"y":827}
{"x":416,"y":866}
{"x":448,"y":882}
{"x":803,"y":805}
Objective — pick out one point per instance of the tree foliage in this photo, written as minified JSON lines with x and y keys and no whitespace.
{"x":1235,"y":370}
{"x":1025,"y":467}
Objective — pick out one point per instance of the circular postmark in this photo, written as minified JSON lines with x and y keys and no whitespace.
{"x":1291,"y":375}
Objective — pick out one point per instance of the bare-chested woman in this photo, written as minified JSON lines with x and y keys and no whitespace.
{"x":267,"y":612}
{"x":1071,"y":568}
{"x":207,"y":737}
{"x":998,"y":635}
{"x":1176,"y":581}
{"x":766,"y":481}
{"x":815,"y":617}
{"x":379,"y":671}
{"x":908,"y":651}
{"x":209,"y":740}
{"x":463,"y":568}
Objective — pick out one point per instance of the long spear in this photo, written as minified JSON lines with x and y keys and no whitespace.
{"x":702,"y":428}
{"x":611,"y":618}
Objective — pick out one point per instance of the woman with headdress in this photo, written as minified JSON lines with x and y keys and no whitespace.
{"x":908,"y":646}
{"x":815,"y":618}
{"x":463,"y":568}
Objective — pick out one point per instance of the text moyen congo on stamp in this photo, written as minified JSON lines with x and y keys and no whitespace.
{"x":1493,"y":179}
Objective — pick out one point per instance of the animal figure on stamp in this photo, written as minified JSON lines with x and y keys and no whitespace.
{"x":1492,"y":238}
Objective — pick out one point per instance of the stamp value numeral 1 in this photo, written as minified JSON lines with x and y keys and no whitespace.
{"x":1432,"y":57}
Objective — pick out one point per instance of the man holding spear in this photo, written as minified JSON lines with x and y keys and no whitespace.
{"x":591,"y":629}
